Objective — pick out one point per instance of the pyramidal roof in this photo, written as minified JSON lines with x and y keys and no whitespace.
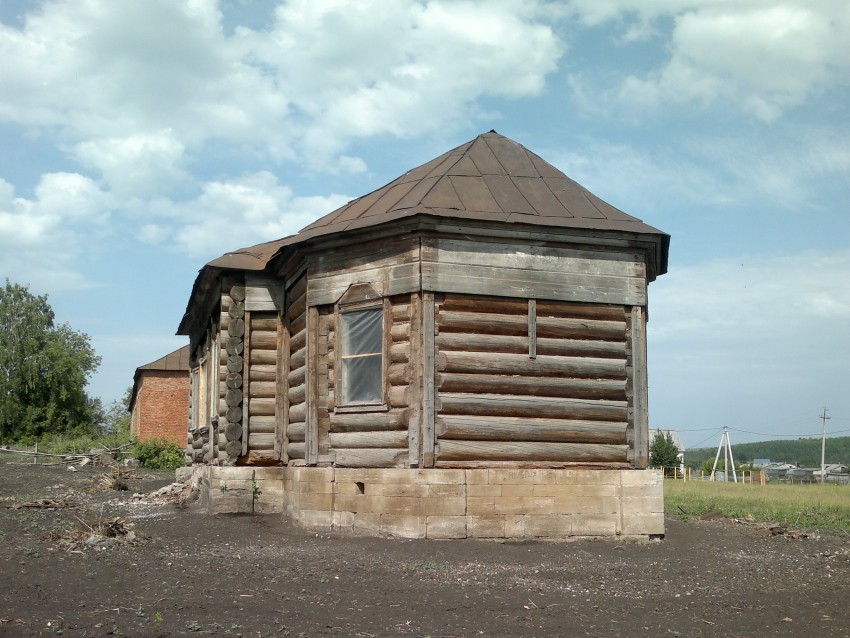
{"x":490,"y":178}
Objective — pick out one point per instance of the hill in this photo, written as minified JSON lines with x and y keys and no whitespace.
{"x":802,"y":452}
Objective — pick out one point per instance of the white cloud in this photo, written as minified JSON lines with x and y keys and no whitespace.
{"x":764,"y":56}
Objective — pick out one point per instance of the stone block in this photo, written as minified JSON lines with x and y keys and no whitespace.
{"x":477,"y":477}
{"x":445,"y":506}
{"x":313,"y":487}
{"x":483,"y":489}
{"x":520,"y":506}
{"x":403,"y":526}
{"x":236,"y":473}
{"x":488,"y":526}
{"x":411,"y":491}
{"x":367,"y":523}
{"x":443,"y":490}
{"x":314,"y":519}
{"x":316,"y":501}
{"x":515,"y":526}
{"x":595,"y":525}
{"x":343,"y":520}
{"x":547,"y":526}
{"x":439,"y":477}
{"x":651,"y":477}
{"x":401,"y":505}
{"x":445,"y":526}
{"x":643,"y":524}
{"x":642,"y":505}
{"x":481,"y":505}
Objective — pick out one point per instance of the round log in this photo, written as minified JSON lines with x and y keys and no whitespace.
{"x":236,"y":328}
{"x":233,"y":398}
{"x":233,"y":432}
{"x":234,"y":414}
{"x":234,"y":345}
{"x":234,"y":363}
{"x":236,"y":310}
{"x":237,"y":292}
{"x":233,"y":449}
{"x":233,"y":381}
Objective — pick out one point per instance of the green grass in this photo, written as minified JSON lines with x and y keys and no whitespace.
{"x":815,"y":506}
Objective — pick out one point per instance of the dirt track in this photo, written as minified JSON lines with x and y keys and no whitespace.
{"x":189,"y":574}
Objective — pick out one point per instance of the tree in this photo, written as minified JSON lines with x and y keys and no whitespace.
{"x":44,"y":369}
{"x":663,"y":452}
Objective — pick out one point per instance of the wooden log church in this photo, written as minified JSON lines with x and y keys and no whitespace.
{"x":460,"y":353}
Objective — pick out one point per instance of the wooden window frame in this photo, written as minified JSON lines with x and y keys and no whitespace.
{"x":341,"y":309}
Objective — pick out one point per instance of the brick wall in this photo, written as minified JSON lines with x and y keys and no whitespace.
{"x":161,"y":406}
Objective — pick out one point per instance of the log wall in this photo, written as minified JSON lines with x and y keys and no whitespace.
{"x":540,"y":385}
{"x":259,"y":388}
{"x":295,"y":371}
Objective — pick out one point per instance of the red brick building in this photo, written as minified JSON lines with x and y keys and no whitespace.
{"x":159,"y":406}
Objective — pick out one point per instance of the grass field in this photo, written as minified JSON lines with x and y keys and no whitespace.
{"x":815,"y":506}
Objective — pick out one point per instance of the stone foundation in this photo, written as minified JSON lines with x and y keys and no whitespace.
{"x":438,"y":503}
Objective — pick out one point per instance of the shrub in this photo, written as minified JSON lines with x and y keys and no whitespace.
{"x":159,"y":454}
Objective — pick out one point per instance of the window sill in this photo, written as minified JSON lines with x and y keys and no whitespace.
{"x":369,"y":407}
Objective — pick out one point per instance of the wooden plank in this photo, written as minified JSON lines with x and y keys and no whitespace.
{"x":312,"y":433}
{"x":246,"y":384}
{"x":486,"y":280}
{"x":264,"y":406}
{"x":532,"y":328}
{"x":640,"y":399}
{"x":368,"y":421}
{"x":517,"y":345}
{"x":370,"y":457}
{"x":414,"y":350}
{"x":263,"y":389}
{"x":612,"y":389}
{"x":531,"y":406}
{"x":262,"y":293}
{"x":281,"y":391}
{"x":531,"y":256}
{"x":392,"y":438}
{"x":485,"y":428}
{"x":549,"y":327}
{"x":530,"y":451}
{"x":542,"y":366}
{"x":263,"y":339}
{"x":264,"y":424}
{"x":388,"y":280}
{"x":428,"y":387}
{"x":262,"y":357}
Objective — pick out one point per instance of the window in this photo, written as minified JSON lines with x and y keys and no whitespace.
{"x":361,"y":356}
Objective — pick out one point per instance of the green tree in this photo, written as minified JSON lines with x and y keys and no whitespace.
{"x":44,"y":369}
{"x":663,"y":452}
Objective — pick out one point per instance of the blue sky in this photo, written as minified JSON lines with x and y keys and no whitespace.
{"x":140,"y":140}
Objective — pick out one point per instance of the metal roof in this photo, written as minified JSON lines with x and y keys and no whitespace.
{"x":490,"y":178}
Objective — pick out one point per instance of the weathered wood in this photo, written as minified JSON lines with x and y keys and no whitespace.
{"x":295,"y":432}
{"x":485,"y":428}
{"x":263,"y":389}
{"x":400,"y":332}
{"x":428,"y":437}
{"x":233,"y":432}
{"x":399,"y":396}
{"x":262,"y":293}
{"x":298,"y":358}
{"x":400,"y":352}
{"x":530,"y":451}
{"x":297,"y":376}
{"x":237,"y":292}
{"x":234,"y":345}
{"x":368,"y":421}
{"x":392,"y":439}
{"x":298,"y":393}
{"x":532,"y":328}
{"x":234,"y":414}
{"x":298,"y":341}
{"x":233,"y":449}
{"x":263,"y":372}
{"x":262,"y":406}
{"x":530,"y":465}
{"x":516,"y":325}
{"x":519,"y":345}
{"x":234,"y":363}
{"x":263,"y":357}
{"x":543,"y":366}
{"x":399,"y":373}
{"x":297,"y":450}
{"x":282,"y":392}
{"x":235,"y":310}
{"x":298,"y":413}
{"x":262,"y":424}
{"x":507,"y":306}
{"x":263,"y":339}
{"x":640,"y":400}
{"x":236,"y":327}
{"x":401,"y":311}
{"x":613,"y":389}
{"x":233,"y":398}
{"x":415,"y":347}
{"x":297,"y":307}
{"x":258,"y":441}
{"x":261,"y":457}
{"x":370,"y":457}
{"x":233,"y":381}
{"x":531,"y":406}
{"x":312,"y":434}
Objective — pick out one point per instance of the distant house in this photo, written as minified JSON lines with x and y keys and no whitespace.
{"x":677,"y":441}
{"x":159,"y":406}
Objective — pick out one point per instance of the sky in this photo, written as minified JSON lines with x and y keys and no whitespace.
{"x":139,"y":140}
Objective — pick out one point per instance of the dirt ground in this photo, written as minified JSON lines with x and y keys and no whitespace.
{"x":183,"y":573}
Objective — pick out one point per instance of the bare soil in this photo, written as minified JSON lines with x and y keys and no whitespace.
{"x":184,"y":573}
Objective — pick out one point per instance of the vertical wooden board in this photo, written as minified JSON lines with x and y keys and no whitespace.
{"x":532,"y":328}
{"x":280,"y":392}
{"x":640,"y":388}
{"x":246,"y":383}
{"x":428,"y":372}
{"x":312,"y":433}
{"x":415,"y":358}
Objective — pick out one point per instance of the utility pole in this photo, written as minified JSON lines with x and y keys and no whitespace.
{"x":823,"y":418}
{"x":726,"y":446}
